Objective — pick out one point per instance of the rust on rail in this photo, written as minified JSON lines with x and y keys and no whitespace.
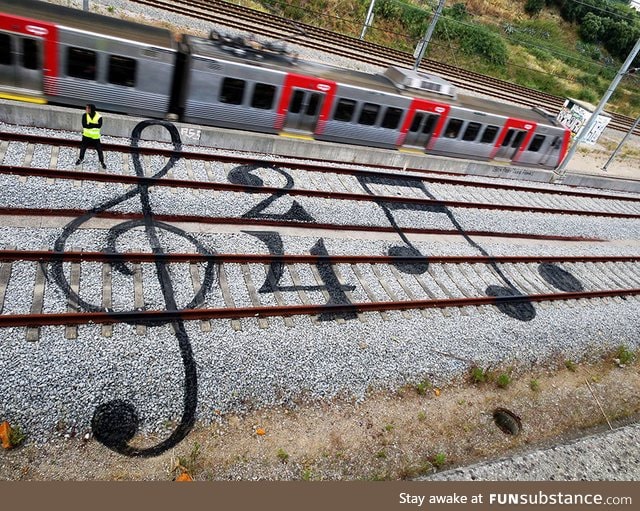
{"x":163,"y":316}
{"x":121,"y":215}
{"x":149,"y":257}
{"x":324,"y":194}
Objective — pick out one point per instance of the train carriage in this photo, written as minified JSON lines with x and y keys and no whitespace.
{"x":51,"y":53}
{"x":70,"y":59}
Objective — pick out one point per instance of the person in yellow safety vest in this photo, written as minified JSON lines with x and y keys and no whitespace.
{"x":91,"y":124}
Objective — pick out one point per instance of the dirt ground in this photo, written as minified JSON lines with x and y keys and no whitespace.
{"x":592,"y":159}
{"x":401,"y":435}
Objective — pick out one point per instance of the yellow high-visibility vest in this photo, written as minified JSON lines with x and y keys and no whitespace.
{"x":92,"y":132}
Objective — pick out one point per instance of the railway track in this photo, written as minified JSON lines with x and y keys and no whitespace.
{"x":272,"y":26}
{"x":318,"y":284}
{"x":411,"y":188}
{"x":363,"y":285}
{"x":196,"y":284}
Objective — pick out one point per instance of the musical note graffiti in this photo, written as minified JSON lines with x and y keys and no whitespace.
{"x":521,"y":310}
{"x":244,"y":175}
{"x":116,"y":422}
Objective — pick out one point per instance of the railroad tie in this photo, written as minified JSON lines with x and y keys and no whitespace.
{"x":253,"y":294}
{"x":5,"y":275}
{"x":297,"y":282}
{"x":138,"y":296}
{"x":191,"y":177}
{"x":348,"y":293}
{"x":107,"y":298}
{"x":228,"y":298}
{"x":288,"y":320}
{"x":367,"y":289}
{"x":4,"y":145}
{"x":405,"y":288}
{"x":205,"y":324}
{"x":33,"y":333}
{"x":71,"y":331}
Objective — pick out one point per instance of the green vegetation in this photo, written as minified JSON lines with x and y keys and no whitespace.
{"x":563,"y":47}
{"x":503,"y":380}
{"x":624,"y":355}
{"x":422,"y":387}
{"x":282,"y":455}
{"x":534,"y":385}
{"x":478,"y":375}
{"x":571,"y":365}
{"x":439,"y":460}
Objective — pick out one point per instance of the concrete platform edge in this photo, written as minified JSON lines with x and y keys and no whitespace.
{"x":118,"y":125}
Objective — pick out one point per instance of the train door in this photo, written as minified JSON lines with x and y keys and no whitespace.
{"x":20,"y":61}
{"x":513,"y":140}
{"x":304,"y":104}
{"x":422,"y":124}
{"x":304,"y":110}
{"x":510,"y":145}
{"x":421,"y":129}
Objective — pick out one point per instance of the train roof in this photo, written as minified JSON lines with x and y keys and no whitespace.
{"x":90,"y":22}
{"x":286,"y":62}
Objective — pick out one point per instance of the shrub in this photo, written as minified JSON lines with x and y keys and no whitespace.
{"x":624,"y":355}
{"x":503,"y":381}
{"x":478,"y":375}
{"x":282,"y":455}
{"x":533,"y":7}
{"x":439,"y":460}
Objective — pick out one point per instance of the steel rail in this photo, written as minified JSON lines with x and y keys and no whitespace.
{"x":156,"y":316}
{"x":301,"y":192}
{"x":250,"y":222}
{"x":317,"y":166}
{"x":181,"y":257}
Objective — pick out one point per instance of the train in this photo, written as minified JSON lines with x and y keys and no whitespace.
{"x":60,"y":55}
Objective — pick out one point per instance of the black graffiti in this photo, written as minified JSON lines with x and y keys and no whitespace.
{"x":116,"y":422}
{"x":559,"y":278}
{"x":408,"y":249}
{"x":330,"y":282}
{"x":242,"y":176}
{"x":522,"y":309}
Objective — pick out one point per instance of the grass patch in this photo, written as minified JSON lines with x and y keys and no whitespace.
{"x":503,"y":381}
{"x":282,"y":455}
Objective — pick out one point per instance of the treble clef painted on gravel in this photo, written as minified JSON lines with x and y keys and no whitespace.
{"x":116,"y":422}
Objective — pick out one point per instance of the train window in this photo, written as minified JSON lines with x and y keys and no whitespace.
{"x":518,"y":139}
{"x":232,"y":91}
{"x":81,"y":63}
{"x":453,"y":128}
{"x":536,"y":143}
{"x":430,"y":123}
{"x":369,"y":114}
{"x":314,"y":103}
{"x":471,"y":133}
{"x":29,"y":54}
{"x":391,"y":118}
{"x":344,"y":110}
{"x":6,"y":56}
{"x":122,"y":71}
{"x":263,"y":96}
{"x":489,"y":134}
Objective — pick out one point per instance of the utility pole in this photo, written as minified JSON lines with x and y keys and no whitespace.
{"x":561,"y":171}
{"x":621,"y":144}
{"x":368,"y":20}
{"x":422,"y":45}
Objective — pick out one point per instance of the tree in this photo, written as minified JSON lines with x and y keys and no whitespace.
{"x":592,"y":28}
{"x":533,"y":7}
